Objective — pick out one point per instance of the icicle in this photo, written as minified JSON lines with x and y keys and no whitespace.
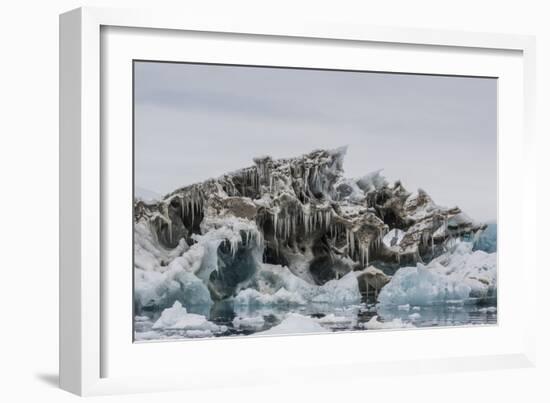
{"x":314,"y":220}
{"x":192,"y":209}
{"x":182,"y":208}
{"x":275,"y":224}
{"x":288,"y":223}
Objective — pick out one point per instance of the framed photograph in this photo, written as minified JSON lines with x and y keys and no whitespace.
{"x":319,"y":198}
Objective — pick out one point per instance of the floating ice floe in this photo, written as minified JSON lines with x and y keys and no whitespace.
{"x":333,"y":320}
{"x":414,"y":316}
{"x":375,"y":324}
{"x":295,"y":323}
{"x":249,"y":323}
{"x":177,"y":318}
{"x":252,"y":297}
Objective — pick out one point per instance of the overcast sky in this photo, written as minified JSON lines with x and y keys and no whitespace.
{"x":194,"y":122}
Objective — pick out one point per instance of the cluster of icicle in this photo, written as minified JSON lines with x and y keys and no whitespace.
{"x":233,"y":232}
{"x":285,"y":223}
{"x":357,"y":250}
{"x":192,"y":201}
{"x":160,"y":218}
{"x":246,"y":237}
{"x":309,"y":176}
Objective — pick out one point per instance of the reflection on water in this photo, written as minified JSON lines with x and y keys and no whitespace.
{"x":244,"y":321}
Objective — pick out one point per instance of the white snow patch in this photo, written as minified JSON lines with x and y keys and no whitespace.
{"x":393,"y":238}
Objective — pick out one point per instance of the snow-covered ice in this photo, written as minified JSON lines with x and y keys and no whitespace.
{"x":295,"y":323}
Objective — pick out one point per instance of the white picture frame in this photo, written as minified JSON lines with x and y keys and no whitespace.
{"x":98,"y":357}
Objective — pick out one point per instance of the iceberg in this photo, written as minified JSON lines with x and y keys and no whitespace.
{"x":294,"y":234}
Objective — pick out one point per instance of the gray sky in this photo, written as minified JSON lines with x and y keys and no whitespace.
{"x":194,"y":122}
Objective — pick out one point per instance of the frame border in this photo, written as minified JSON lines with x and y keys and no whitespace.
{"x":80,"y":174}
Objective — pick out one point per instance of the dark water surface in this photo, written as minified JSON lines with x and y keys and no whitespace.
{"x":336,"y":319}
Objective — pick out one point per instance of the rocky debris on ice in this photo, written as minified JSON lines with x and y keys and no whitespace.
{"x":371,"y":280}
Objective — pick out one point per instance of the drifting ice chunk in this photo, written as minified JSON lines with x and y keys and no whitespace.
{"x":177,"y":317}
{"x":332,"y":319}
{"x":374,"y":324}
{"x":450,"y":278}
{"x":295,"y":323}
{"x":152,"y":288}
{"x":251,"y":297}
{"x":249,"y":323}
{"x":421,"y":286}
{"x":414,"y":316}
